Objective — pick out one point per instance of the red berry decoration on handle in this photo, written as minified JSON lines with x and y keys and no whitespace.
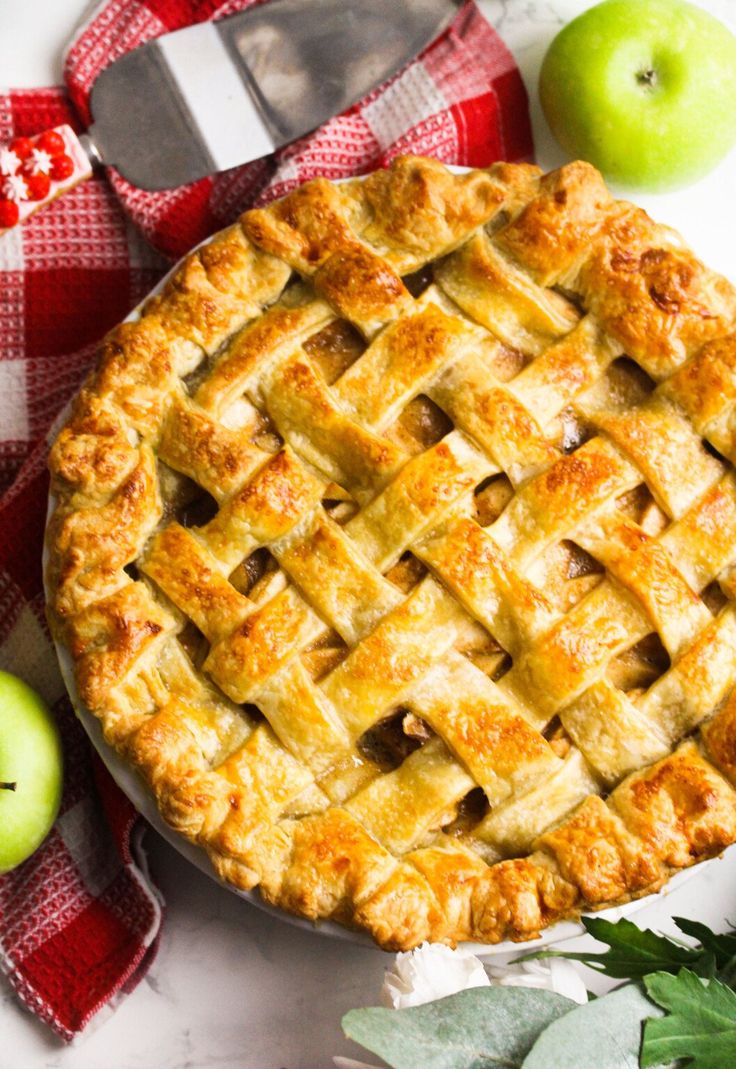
{"x":52,"y":142}
{"x":9,"y":213}
{"x":22,"y":147}
{"x":62,"y":167}
{"x":38,"y":186}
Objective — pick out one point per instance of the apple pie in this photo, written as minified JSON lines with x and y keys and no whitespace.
{"x":394,"y":545}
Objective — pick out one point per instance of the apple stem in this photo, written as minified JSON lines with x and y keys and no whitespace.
{"x":8,"y":786}
{"x":647,"y":78}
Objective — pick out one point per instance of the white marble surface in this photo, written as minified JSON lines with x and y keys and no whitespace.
{"x":233,"y":988}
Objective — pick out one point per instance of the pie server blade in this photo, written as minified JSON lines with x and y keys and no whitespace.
{"x":219,"y":94}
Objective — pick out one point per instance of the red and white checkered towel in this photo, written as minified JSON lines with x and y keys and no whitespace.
{"x":79,"y":921}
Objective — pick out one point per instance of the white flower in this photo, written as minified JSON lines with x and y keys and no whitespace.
{"x":41,"y":161}
{"x":430,"y":972}
{"x":554,"y":974}
{"x":9,"y":162}
{"x":14,"y":188}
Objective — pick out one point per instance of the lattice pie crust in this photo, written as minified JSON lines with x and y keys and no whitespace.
{"x":394,"y":546}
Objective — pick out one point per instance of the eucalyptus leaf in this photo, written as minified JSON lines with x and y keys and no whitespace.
{"x":700,"y":1024}
{"x":605,"y":1034}
{"x":483,"y":1028}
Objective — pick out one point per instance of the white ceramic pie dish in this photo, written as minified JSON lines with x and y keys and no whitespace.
{"x":134,"y":788}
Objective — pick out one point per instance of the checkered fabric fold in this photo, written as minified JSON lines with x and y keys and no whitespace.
{"x":79,"y":921}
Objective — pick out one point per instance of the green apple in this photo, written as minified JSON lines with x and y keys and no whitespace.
{"x":30,"y":771}
{"x":643,"y":89}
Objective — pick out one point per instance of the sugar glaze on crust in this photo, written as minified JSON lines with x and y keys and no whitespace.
{"x":394,"y":546}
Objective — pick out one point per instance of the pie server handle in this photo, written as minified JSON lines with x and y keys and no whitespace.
{"x":32,"y":176}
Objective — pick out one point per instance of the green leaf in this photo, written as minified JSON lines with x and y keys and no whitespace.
{"x":723,"y":947}
{"x":633,"y":952}
{"x":701,"y":1024}
{"x":483,"y":1028}
{"x":605,"y":1034}
{"x":727,"y":973}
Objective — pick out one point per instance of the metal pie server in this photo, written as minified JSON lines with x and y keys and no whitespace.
{"x":219,"y":94}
